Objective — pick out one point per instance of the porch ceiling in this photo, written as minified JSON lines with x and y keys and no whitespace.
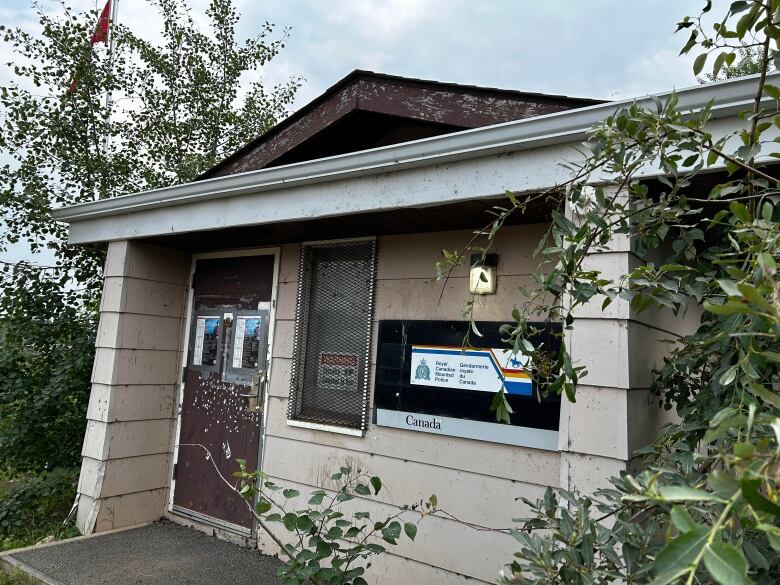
{"x":454,"y":216}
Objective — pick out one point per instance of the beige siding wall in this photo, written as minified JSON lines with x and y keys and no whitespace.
{"x":615,"y":413}
{"x":476,"y":481}
{"x":127,"y":447}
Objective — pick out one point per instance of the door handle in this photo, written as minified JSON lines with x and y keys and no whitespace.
{"x":254,"y":399}
{"x":258,"y":380}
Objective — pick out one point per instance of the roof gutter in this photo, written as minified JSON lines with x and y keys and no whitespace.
{"x":729,"y":97}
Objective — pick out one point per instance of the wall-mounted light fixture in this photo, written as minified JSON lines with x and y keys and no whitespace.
{"x":482,"y":278}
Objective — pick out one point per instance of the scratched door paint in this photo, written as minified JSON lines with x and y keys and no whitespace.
{"x":218,"y":424}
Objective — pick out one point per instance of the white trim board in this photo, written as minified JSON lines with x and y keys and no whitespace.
{"x":469,"y":429}
{"x":291,"y":422}
{"x":467,"y":180}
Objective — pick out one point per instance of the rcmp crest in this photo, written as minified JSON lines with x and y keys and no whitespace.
{"x":423,"y":372}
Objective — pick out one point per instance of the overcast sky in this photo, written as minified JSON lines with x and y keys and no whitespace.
{"x":590,"y":48}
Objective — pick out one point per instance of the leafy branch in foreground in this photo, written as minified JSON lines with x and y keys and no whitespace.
{"x":179,"y":105}
{"x":705,"y":508}
{"x":325,"y":540}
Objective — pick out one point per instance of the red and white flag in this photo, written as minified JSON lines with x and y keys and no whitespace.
{"x":101,"y":30}
{"x":99,"y":36}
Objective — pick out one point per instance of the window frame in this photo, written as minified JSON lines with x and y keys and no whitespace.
{"x":301,"y":345}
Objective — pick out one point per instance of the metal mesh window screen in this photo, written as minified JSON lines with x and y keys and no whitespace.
{"x":333,"y":334}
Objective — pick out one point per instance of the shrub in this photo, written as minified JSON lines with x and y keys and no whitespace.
{"x":36,"y":503}
{"x":47,"y":345}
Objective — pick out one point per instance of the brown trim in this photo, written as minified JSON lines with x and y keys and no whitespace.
{"x":451,"y":104}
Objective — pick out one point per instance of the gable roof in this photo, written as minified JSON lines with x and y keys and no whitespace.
{"x":366,"y":109}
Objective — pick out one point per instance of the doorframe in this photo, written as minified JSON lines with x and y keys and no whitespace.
{"x":274,"y":251}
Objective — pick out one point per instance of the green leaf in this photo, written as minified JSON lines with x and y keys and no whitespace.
{"x":699,"y":63}
{"x":744,"y":450}
{"x":772,"y":356}
{"x":334,"y":533}
{"x":391,"y":532}
{"x":376,"y":483}
{"x":682,"y":520}
{"x":677,"y":557}
{"x":720,"y":60}
{"x":772,"y":534}
{"x":728,"y":376}
{"x":744,"y":23}
{"x":290,"y":521}
{"x":755,"y":556}
{"x":740,"y":210}
{"x":729,"y":287}
{"x":775,"y":424}
{"x":728,"y":308}
{"x":723,"y":483}
{"x":362,"y":490}
{"x":723,"y":428}
{"x":767,"y":264}
{"x":316,"y":498}
{"x":410,"y":529}
{"x":682,"y":493}
{"x":304,"y":523}
{"x":691,"y":42}
{"x":726,"y":564}
{"x":752,"y":494}
{"x":500,"y":405}
{"x":767,"y":396}
{"x":752,"y":294}
{"x":772,"y":91}
{"x":262,"y":506}
{"x":352,"y":532}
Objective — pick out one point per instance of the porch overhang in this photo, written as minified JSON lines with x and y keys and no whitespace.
{"x":458,"y":169}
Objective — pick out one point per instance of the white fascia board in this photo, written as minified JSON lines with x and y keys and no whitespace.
{"x":364,"y":181}
{"x":491,"y":176}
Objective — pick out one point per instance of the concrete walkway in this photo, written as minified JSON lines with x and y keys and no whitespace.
{"x":162,"y":553}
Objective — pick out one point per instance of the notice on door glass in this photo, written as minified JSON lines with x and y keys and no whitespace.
{"x":338,"y":372}
{"x":246,"y":347}
{"x":206,"y":341}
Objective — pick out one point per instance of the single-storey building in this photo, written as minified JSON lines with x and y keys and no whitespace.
{"x":284,"y":309}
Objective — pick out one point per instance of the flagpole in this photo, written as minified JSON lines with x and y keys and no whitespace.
{"x":110,"y":32}
{"x":112,"y":22}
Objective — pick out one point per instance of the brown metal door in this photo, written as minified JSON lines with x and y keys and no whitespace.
{"x":221,"y":411}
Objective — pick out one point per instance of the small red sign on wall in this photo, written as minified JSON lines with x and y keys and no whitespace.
{"x":338,"y":372}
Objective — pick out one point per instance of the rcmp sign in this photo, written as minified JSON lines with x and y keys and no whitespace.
{"x":427,"y":382}
{"x":485,"y":369}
